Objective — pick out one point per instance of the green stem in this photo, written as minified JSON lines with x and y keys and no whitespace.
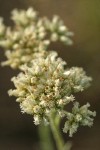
{"x":54,"y":123}
{"x":56,"y":133}
{"x":45,"y":138}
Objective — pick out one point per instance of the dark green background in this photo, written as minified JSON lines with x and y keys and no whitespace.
{"x":17,"y":131}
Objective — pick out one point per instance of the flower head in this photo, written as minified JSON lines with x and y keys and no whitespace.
{"x":79,"y":116}
{"x":58,"y":30}
{"x":29,"y":35}
{"x":44,"y":86}
{"x":24,"y":18}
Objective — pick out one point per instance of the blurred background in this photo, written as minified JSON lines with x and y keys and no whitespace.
{"x":17,"y":131}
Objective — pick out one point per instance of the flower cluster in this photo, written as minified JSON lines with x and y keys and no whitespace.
{"x":23,"y":18}
{"x":79,"y":116}
{"x":45,"y":86}
{"x":30,"y":35}
{"x":58,"y":30}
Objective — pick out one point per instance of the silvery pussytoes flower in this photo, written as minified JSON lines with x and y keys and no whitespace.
{"x":45,"y":86}
{"x":30,"y":35}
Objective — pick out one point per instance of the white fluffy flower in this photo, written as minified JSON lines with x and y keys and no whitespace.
{"x":79,"y":116}
{"x":58,"y":30}
{"x":23,"y":17}
{"x":43,"y":86}
{"x":30,"y":35}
